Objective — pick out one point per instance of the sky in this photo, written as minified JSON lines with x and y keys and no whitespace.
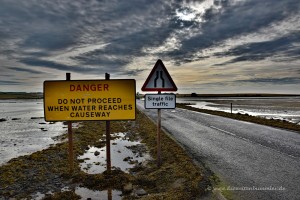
{"x":207,"y":46}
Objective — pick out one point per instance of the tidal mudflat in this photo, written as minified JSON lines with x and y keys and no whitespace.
{"x":23,"y":129}
{"x":281,"y":108}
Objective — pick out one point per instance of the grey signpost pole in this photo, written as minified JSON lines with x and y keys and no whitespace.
{"x":70,"y":137}
{"x":158,"y":136}
{"x":108,"y":158}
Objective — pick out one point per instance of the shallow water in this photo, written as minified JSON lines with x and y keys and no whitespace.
{"x":283,"y":108}
{"x":122,"y":155}
{"x":25,"y":130}
{"x":86,"y":193}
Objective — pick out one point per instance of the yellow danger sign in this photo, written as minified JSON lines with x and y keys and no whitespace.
{"x":90,"y":100}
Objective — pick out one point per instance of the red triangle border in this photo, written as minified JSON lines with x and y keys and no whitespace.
{"x":159,"y":62}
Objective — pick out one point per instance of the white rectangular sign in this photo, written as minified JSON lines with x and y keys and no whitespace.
{"x":160,"y":101}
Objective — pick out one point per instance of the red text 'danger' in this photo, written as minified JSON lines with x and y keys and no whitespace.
{"x":89,"y":87}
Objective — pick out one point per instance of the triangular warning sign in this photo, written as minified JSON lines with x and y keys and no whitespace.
{"x":159,"y":79}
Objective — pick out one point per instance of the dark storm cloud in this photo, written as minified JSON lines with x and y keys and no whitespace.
{"x":280,"y":47}
{"x":19,"y":69}
{"x":48,"y":26}
{"x":101,"y":68}
{"x":121,"y":51}
{"x":39,"y":24}
{"x":10,"y":83}
{"x":237,"y":20}
{"x":90,"y":37}
{"x":278,"y":81}
{"x":133,"y":25}
{"x":48,"y":40}
{"x":50,"y":64}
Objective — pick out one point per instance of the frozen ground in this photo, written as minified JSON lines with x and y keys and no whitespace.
{"x":284,"y":108}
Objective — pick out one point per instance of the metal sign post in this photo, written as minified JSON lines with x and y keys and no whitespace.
{"x":108,"y":155}
{"x":70,"y":137}
{"x":158,"y":137}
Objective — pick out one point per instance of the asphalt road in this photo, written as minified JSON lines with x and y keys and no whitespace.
{"x":255,"y":161}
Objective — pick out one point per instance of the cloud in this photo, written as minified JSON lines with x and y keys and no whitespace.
{"x":277,"y":81}
{"x":10,"y":82}
{"x":19,"y":69}
{"x":285,"y":47}
{"x":220,"y":24}
{"x":93,"y":37}
{"x":48,"y":40}
{"x":52,"y":26}
{"x":59,"y":25}
{"x":55,"y":65}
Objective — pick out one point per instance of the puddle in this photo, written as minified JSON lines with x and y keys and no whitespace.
{"x":104,"y":194}
{"x":124,"y":155}
{"x":86,"y":193}
{"x":40,"y":196}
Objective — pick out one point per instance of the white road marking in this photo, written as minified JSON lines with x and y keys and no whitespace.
{"x":246,"y":139}
{"x":222,"y":130}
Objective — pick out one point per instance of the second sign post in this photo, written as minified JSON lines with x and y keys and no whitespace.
{"x":159,"y":80}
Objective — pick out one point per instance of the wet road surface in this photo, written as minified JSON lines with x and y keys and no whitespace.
{"x":255,"y":161}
